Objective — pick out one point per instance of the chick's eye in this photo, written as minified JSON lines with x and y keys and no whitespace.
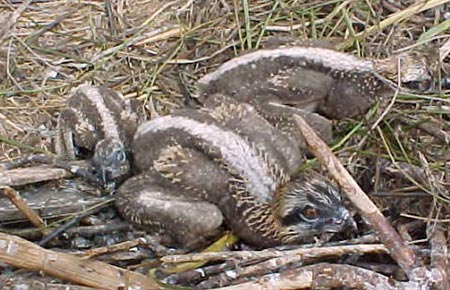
{"x":310,"y":213}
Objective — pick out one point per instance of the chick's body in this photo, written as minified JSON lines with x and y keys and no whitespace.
{"x":225,"y":162}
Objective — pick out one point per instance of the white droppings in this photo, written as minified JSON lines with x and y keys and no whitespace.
{"x":231,"y":274}
{"x":201,"y":271}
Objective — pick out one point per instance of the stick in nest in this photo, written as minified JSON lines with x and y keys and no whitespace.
{"x":55,"y":161}
{"x":23,"y":254}
{"x":390,"y":238}
{"x":22,"y":206}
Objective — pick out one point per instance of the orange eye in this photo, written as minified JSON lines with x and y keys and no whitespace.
{"x":310,"y":213}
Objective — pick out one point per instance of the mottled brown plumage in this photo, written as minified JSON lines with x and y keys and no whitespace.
{"x":234,"y":159}
{"x":101,"y":123}
{"x":253,"y":187}
{"x":229,"y":160}
{"x":310,"y":79}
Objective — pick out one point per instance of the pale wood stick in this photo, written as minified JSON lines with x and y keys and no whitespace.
{"x":34,"y":174}
{"x":270,"y":253}
{"x":124,"y":246}
{"x":35,"y":284}
{"x":439,"y":258}
{"x":322,"y":276}
{"x":55,"y":161}
{"x":51,"y":202}
{"x":388,"y":235}
{"x":22,"y":206}
{"x":11,"y":19}
{"x":240,"y":272}
{"x":431,"y":127}
{"x":21,"y":253}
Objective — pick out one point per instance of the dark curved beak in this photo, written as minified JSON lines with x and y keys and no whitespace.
{"x":104,"y":175}
{"x":343,"y":221}
{"x":105,"y":178}
{"x":109,"y":176}
{"x":348,"y":223}
{"x":351,"y":225}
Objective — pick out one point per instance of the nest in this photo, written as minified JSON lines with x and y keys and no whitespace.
{"x":155,"y":51}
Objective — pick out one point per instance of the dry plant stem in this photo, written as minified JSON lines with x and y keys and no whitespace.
{"x":324,"y":276}
{"x":390,"y":270}
{"x":34,"y":284}
{"x":431,"y":127}
{"x":370,"y":238}
{"x":270,"y":253}
{"x":22,"y":206}
{"x":34,"y":37}
{"x":90,"y":231}
{"x":444,"y":50}
{"x":125,"y":246}
{"x":404,"y":229}
{"x":75,"y":220}
{"x":390,"y":238}
{"x":242,"y":272}
{"x":20,"y":253}
{"x":396,"y":17}
{"x":111,"y":16}
{"x":437,"y":189}
{"x":403,"y":170}
{"x":439,"y":258}
{"x":55,"y":161}
{"x":210,"y":272}
{"x":51,"y":202}
{"x":9,"y":22}
{"x":34,"y":174}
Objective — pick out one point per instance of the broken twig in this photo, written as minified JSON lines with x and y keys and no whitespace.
{"x":22,"y":206}
{"x":20,"y":253}
{"x":270,"y":253}
{"x":327,"y":276}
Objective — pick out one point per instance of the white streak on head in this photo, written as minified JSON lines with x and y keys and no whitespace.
{"x":236,"y":152}
{"x":328,"y":58}
{"x":109,"y":125}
